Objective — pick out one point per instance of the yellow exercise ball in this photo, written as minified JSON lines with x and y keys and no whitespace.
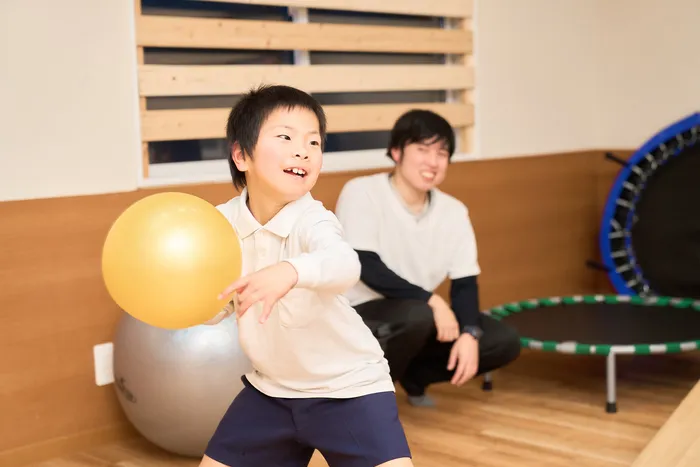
{"x":167,"y":257}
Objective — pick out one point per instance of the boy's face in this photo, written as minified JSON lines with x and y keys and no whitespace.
{"x":287,"y":158}
{"x":423,"y":164}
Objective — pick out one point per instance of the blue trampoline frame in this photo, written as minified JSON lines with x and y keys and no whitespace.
{"x":666,"y":134}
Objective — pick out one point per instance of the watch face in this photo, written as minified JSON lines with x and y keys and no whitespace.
{"x":474,"y":331}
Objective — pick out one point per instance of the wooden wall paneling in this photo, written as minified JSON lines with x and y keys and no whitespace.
{"x":449,"y":8}
{"x":55,"y":309}
{"x":214,"y":33}
{"x":535,"y":218}
{"x":213,"y":80}
{"x":536,"y":224}
{"x":172,"y":125}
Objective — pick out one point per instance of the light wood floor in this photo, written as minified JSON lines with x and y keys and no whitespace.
{"x":546,"y":410}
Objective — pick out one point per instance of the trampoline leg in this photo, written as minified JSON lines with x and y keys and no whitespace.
{"x":487,"y":385}
{"x":611,"y":406}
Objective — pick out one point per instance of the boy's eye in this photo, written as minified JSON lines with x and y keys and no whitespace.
{"x":284,"y":137}
{"x":315,"y":143}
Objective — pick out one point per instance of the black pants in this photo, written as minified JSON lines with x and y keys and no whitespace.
{"x":416,"y":358}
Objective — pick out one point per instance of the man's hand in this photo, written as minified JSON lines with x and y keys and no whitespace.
{"x":465,"y":357}
{"x":445,"y":320}
{"x":266,"y":285}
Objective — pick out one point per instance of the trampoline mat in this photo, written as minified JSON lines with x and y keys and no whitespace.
{"x":607,"y":324}
{"x":666,"y":229}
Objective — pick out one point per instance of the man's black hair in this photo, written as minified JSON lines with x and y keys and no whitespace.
{"x":250,"y":112}
{"x":421,"y":126}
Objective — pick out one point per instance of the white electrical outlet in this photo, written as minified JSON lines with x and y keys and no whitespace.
{"x":104,"y":368}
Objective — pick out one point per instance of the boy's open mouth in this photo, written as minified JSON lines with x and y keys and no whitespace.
{"x":296,"y":171}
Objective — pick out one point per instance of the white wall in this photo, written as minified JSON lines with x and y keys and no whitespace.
{"x":68,"y":107}
{"x":552,"y":76}
{"x":534,"y":72}
{"x":650,"y":55}
{"x":557,"y":75}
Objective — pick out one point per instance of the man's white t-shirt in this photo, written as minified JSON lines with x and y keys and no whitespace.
{"x":314,"y":344}
{"x":423,"y":249}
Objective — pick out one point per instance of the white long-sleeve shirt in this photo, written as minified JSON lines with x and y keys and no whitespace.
{"x":313,"y":344}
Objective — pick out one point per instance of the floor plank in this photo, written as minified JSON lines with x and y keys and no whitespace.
{"x":546,"y":410}
{"x":677,"y":444}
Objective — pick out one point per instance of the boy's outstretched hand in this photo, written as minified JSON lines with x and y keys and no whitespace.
{"x":266,"y":285}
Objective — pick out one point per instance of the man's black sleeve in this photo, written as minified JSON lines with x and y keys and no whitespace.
{"x":464,"y":297}
{"x":377,"y":276}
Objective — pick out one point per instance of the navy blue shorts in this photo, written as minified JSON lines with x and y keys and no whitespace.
{"x":258,"y":430}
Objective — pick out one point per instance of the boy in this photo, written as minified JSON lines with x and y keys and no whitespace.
{"x":320,"y":379}
{"x":410,"y":236}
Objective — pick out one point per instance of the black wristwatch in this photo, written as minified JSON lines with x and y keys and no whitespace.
{"x":474,"y":331}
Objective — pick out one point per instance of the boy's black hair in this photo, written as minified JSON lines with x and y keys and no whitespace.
{"x":420,"y":125}
{"x":250,"y":112}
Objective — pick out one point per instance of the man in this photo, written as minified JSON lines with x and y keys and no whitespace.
{"x":410,"y":237}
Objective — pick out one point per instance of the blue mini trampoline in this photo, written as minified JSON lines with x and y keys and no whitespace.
{"x":650,"y":244}
{"x":650,"y":232}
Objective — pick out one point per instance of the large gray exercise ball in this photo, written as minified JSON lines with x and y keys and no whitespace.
{"x":174,"y":386}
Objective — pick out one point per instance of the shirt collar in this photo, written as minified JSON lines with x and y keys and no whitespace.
{"x":280,"y":225}
{"x":426,"y":207}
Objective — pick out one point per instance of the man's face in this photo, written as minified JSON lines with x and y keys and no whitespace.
{"x":423,"y":164}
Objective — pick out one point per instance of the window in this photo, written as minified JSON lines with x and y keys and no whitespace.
{"x":365,"y":66}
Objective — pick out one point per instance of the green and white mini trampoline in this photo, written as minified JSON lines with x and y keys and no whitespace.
{"x":606,"y":325}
